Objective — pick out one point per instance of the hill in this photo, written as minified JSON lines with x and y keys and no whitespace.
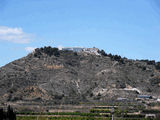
{"x":55,"y":76}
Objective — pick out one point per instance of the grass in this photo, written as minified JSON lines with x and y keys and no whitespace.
{"x":59,"y":118}
{"x":74,"y":118}
{"x":100,"y":111}
{"x":78,"y":118}
{"x":60,"y":113}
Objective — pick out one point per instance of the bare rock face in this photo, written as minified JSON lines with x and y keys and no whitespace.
{"x":50,"y":75}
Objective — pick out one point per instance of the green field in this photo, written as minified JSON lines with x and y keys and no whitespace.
{"x":59,"y":118}
{"x":134,"y":112}
{"x":73,"y":118}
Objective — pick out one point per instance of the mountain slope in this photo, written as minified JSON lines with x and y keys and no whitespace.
{"x":51,"y":75}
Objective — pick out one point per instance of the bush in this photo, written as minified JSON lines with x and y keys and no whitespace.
{"x":149,"y":62}
{"x":134,"y":116}
{"x":100,"y":111}
{"x":46,"y":50}
{"x":116,"y":58}
{"x":151,"y":111}
{"x":102,"y":52}
{"x":158,"y":65}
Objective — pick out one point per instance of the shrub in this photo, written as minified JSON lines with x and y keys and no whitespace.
{"x":46,"y":50}
{"x":158,"y":65}
{"x":151,"y":111}
{"x":102,"y":52}
{"x":100,"y":111}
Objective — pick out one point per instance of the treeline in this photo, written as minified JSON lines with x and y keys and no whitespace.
{"x":56,"y":52}
{"x":113,"y":57}
{"x":121,"y":60}
{"x":152,"y":62}
{"x":51,"y":52}
{"x":47,"y":50}
{"x":7,"y":115}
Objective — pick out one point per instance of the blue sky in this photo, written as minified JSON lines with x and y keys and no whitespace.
{"x":130,"y":28}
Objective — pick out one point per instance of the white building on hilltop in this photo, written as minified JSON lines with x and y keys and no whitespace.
{"x":74,"y":49}
{"x":92,"y":50}
{"x":81,"y":49}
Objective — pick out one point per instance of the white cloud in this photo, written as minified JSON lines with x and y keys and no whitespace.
{"x":29,"y":49}
{"x":15,"y":35}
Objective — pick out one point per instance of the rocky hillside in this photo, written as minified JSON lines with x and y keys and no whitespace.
{"x":52,"y":75}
